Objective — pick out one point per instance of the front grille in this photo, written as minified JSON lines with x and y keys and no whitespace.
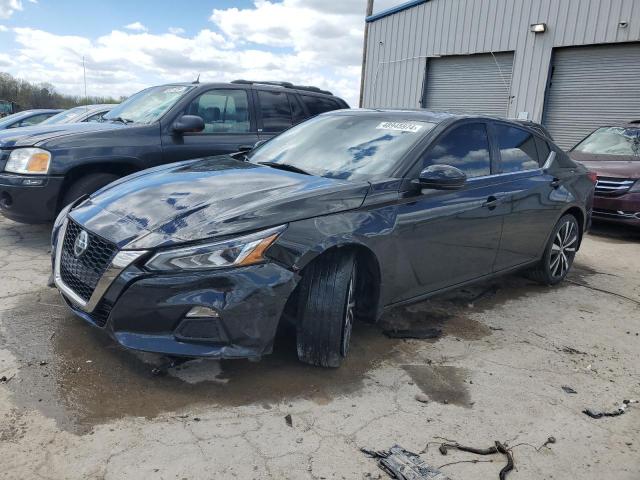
{"x":81,"y":274}
{"x":611,"y":187}
{"x":100,"y":314}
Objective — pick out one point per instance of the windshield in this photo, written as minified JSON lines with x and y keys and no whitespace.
{"x":9,"y":119}
{"x":65,"y":117}
{"x":148,"y":105}
{"x":343,"y":146}
{"x":612,"y":141}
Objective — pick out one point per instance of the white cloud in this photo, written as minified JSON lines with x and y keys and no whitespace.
{"x":311,"y":42}
{"x":9,"y":7}
{"x":3,"y":28}
{"x":136,"y":27}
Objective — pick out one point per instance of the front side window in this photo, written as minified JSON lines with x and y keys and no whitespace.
{"x":276,"y":111}
{"x":344,"y":146}
{"x":465,"y":147}
{"x":223,"y":111}
{"x":517,"y":149}
{"x":318,"y":105}
{"x":612,"y":141}
{"x":149,"y":105}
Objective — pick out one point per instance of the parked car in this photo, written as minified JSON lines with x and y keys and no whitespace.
{"x":85,"y":113}
{"x":335,"y":219}
{"x":48,"y":167}
{"x":27,"y":118}
{"x":613,"y":152}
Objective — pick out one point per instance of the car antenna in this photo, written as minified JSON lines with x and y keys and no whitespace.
{"x":197,"y":80}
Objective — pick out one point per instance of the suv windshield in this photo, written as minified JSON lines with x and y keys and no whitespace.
{"x":342,"y":146}
{"x":66,"y":116}
{"x":148,"y":105}
{"x":612,"y":141}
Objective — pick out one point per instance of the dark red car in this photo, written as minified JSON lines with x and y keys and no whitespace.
{"x":613,"y":152}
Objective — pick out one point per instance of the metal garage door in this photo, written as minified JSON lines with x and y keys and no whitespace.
{"x":589,"y":87}
{"x":469,"y":83}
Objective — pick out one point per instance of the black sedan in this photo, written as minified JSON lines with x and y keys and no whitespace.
{"x":334,"y":220}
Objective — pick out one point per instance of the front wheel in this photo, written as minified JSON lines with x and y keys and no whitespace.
{"x":326,"y":309}
{"x":86,"y":186}
{"x":559,"y":253}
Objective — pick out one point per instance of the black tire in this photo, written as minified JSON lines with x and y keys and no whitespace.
{"x":326,"y":309}
{"x":559,"y":252}
{"x":86,"y":186}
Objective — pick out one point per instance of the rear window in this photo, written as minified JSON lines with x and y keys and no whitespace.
{"x":518,"y":150}
{"x":318,"y":105}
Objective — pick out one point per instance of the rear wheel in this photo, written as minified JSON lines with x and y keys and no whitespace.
{"x":560,"y":252}
{"x":326,"y":309}
{"x":86,"y":186}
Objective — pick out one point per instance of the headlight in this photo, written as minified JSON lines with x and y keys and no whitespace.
{"x":245,"y":250}
{"x":28,"y":160}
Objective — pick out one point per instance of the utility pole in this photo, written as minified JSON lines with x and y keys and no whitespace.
{"x":84,"y":73}
{"x":364,"y":50}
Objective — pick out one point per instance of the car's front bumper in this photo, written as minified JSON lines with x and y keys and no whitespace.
{"x":29,"y":203}
{"x":623,"y":209}
{"x":147,"y":311}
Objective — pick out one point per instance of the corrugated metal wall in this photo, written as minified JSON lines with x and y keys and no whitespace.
{"x":399,"y":44}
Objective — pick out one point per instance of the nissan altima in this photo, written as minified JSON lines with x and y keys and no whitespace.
{"x":332,"y":221}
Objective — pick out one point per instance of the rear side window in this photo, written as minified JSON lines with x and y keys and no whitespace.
{"x":36,"y":119}
{"x":543,"y":151}
{"x":318,"y":105}
{"x":297,"y":112}
{"x":517,"y":149}
{"x":223,"y":111}
{"x":465,"y":147}
{"x":276,"y":111}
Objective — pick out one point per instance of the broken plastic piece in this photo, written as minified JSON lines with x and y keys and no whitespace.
{"x":401,"y":464}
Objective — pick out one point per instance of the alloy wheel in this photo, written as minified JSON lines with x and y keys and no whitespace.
{"x":349,"y":315}
{"x":563,"y":249}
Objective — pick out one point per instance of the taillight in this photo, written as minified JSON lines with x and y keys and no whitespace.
{"x":593,"y":176}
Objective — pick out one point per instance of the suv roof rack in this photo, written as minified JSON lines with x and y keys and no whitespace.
{"x":284,"y":85}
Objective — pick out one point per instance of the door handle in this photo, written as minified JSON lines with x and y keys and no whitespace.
{"x":555,"y":183}
{"x":491,"y":203}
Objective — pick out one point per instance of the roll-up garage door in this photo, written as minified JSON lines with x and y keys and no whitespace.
{"x":469,"y":83}
{"x":589,"y":87}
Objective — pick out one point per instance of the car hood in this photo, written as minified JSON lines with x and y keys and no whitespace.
{"x":32,"y":136}
{"x":207,"y":198}
{"x":609,"y":165}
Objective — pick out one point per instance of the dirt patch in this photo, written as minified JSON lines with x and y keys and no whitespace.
{"x":74,"y":373}
{"x":442,"y":384}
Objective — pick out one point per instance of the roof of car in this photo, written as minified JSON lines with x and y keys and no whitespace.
{"x":236,"y":83}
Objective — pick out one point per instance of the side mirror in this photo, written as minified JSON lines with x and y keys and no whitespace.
{"x":188,"y":124}
{"x":442,"y":177}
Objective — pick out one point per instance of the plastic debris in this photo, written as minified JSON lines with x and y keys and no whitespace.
{"x":402,"y":464}
{"x":288,"y":420}
{"x":619,"y":410}
{"x":568,"y":389}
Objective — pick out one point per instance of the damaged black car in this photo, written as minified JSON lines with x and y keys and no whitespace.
{"x":330,"y":222}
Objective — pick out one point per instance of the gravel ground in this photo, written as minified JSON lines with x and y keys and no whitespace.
{"x":73,"y":405}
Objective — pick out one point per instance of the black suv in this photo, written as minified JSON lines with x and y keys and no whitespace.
{"x":45,"y":168}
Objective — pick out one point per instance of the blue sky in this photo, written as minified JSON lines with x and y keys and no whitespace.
{"x":131,"y":44}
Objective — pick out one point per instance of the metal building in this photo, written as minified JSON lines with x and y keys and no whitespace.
{"x":571,"y":64}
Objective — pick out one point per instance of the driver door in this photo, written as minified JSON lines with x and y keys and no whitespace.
{"x":229,"y":126}
{"x":448,"y":237}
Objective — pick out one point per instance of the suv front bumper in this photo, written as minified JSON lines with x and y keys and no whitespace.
{"x":29,"y":203}
{"x":623,"y":209}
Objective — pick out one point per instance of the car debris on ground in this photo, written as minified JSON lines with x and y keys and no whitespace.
{"x":619,"y":410}
{"x":402,"y":464}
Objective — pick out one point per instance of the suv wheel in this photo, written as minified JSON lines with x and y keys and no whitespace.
{"x":559,"y":253}
{"x":326,"y":309}
{"x":86,"y":186}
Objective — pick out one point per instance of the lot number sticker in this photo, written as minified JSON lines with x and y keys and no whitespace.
{"x":399,"y":126}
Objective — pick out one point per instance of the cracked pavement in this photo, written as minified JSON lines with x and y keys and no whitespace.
{"x":75,"y":406}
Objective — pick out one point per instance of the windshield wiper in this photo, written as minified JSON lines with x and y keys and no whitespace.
{"x":122,"y":120}
{"x":285,"y":166}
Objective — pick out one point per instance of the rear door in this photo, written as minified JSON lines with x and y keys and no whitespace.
{"x":448,"y":237}
{"x":229,"y":126}
{"x":275,"y":113}
{"x":533,"y":196}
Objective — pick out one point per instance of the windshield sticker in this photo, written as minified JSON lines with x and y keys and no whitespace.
{"x":175,"y":90}
{"x":399,"y":126}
